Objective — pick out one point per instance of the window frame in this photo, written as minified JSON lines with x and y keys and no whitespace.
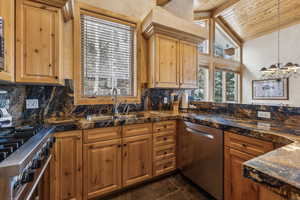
{"x":209,"y":40}
{"x":204,"y":66}
{"x":238,"y":85}
{"x":79,"y":99}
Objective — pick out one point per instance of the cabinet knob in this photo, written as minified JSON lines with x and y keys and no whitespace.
{"x":56,"y":77}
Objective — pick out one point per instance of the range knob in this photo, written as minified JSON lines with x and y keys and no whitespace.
{"x":52,"y":140}
{"x":28,"y":176}
{"x":46,"y":152}
{"x":36,"y":163}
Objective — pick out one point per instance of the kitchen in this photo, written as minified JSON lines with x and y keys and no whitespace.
{"x":149,"y":99}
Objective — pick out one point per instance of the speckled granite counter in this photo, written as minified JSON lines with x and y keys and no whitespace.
{"x":279,"y":169}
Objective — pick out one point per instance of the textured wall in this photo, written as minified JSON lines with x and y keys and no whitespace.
{"x":263,"y":52}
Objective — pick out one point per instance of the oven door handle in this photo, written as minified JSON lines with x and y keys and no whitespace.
{"x":39,"y":178}
{"x":209,"y":136}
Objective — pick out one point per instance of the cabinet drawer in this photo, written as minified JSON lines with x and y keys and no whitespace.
{"x":164,"y":152}
{"x":164,"y":126}
{"x":164,"y":166}
{"x":137,"y":129}
{"x":164,"y":138}
{"x":101,"y":134}
{"x":246,"y":144}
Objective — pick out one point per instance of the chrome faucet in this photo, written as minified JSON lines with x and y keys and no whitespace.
{"x":116,"y":104}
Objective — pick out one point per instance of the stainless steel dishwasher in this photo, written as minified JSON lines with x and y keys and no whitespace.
{"x":200,"y":158}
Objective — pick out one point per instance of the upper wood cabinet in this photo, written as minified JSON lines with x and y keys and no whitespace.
{"x":38,"y":43}
{"x":163,"y":62}
{"x":57,"y":3}
{"x":7,"y":12}
{"x":172,"y":49}
{"x":172,"y":63}
{"x":188,"y":64}
{"x":66,"y":167}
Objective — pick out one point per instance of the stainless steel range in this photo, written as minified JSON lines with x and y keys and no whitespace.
{"x":24,"y":156}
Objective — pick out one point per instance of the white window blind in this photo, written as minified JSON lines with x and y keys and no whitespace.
{"x":107,"y":57}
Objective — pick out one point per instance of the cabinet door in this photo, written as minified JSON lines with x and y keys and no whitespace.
{"x":102,"y":168}
{"x":167,"y":62}
{"x":137,"y":159}
{"x":238,"y":187}
{"x":38,"y":47}
{"x":66,"y":168}
{"x":266,"y":194}
{"x":188,"y":65}
{"x":7,"y":63}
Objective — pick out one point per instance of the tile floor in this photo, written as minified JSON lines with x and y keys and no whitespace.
{"x":174,"y":187}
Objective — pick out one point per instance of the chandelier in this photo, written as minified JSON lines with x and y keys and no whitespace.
{"x":278,"y":70}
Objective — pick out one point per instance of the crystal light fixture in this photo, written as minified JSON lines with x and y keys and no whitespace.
{"x":279,"y":71}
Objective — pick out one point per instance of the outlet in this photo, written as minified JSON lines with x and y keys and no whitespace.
{"x":32,"y":103}
{"x":262,"y":114}
{"x":165,"y":100}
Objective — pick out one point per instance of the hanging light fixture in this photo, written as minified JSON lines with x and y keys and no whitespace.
{"x":277,"y":70}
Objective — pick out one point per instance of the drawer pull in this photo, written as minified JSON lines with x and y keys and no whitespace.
{"x":165,"y":138}
{"x":165,"y":152}
{"x":244,"y":145}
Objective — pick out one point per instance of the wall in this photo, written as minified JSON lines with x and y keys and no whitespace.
{"x":263,"y":52}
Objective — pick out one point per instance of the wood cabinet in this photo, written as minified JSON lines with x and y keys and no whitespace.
{"x":164,"y":147}
{"x":102,"y":168}
{"x":188,"y":64}
{"x":7,"y":12}
{"x":66,"y":167}
{"x":237,"y":150}
{"x":38,"y":43}
{"x":137,"y":159}
{"x":172,"y":63}
{"x":56,"y":3}
{"x":164,"y":64}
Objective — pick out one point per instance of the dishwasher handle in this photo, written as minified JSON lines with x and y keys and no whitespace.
{"x":207,"y":135}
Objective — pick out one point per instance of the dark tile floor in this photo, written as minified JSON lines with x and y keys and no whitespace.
{"x":174,"y":187}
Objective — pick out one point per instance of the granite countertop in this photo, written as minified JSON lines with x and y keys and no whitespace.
{"x":279,"y":169}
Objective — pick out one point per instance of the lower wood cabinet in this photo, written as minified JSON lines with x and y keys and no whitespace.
{"x":239,"y":149}
{"x":102,"y":168}
{"x":137,"y":159}
{"x":66,"y":167}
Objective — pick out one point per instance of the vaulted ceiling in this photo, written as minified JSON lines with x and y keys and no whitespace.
{"x":253,"y":18}
{"x":206,"y":5}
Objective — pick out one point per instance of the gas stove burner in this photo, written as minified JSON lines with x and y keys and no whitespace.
{"x":12,"y":138}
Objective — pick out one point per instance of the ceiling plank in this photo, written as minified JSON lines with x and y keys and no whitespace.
{"x":162,"y":2}
{"x":255,"y":18}
{"x":237,"y":39}
{"x":223,"y":7}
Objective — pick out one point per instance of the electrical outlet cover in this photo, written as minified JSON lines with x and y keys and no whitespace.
{"x":32,"y":103}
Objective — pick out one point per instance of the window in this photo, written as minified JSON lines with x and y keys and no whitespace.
{"x":226,"y":87}
{"x":202,"y":92}
{"x":224,"y":46}
{"x":107,"y":56}
{"x":203,"y":47}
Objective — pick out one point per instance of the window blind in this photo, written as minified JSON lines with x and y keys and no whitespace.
{"x":107,"y":57}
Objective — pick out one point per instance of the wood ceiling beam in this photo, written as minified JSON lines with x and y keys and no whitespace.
{"x":162,"y":2}
{"x":216,"y":12}
{"x":200,"y":15}
{"x":236,"y":38}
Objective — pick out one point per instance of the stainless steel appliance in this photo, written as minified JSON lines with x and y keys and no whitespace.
{"x":201,"y":156}
{"x":24,"y":156}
